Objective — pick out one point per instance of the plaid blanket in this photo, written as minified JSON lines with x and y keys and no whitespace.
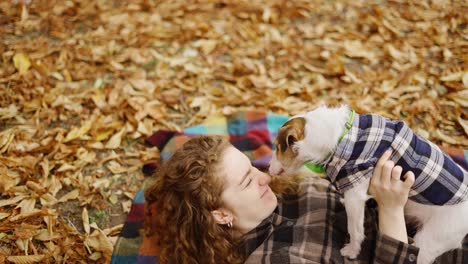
{"x":251,"y":132}
{"x":439,"y":180}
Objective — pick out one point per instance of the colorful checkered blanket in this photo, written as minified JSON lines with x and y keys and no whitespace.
{"x":251,"y":132}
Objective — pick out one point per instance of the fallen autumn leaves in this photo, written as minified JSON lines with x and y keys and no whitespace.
{"x":83,"y":82}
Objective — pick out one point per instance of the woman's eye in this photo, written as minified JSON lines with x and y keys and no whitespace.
{"x":247,"y":185}
{"x":250,"y":180}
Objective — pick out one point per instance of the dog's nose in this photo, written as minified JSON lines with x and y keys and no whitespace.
{"x":276,"y":173}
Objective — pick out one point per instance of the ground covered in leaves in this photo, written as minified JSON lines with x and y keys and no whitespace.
{"x":83,"y":82}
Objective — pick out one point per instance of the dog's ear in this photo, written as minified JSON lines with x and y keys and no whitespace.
{"x":291,"y":138}
{"x":283,"y":138}
{"x":290,"y":133}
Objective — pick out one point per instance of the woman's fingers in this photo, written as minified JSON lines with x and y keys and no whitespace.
{"x":396,"y":173}
{"x":387,"y":172}
{"x":377,"y":174}
{"x":386,"y":185}
{"x":385,"y":156}
{"x":409,"y":179}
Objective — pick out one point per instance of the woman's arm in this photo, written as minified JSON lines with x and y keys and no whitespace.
{"x":391,"y":195}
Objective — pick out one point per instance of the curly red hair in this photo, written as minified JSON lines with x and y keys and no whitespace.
{"x":185,"y":191}
{"x":180,"y":200}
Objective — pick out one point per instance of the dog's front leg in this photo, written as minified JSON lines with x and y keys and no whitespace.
{"x":355,"y":202}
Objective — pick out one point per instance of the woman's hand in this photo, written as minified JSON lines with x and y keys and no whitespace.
{"x":391,"y":195}
{"x":386,"y":187}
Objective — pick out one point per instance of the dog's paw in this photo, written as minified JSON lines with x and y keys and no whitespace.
{"x":350,"y":250}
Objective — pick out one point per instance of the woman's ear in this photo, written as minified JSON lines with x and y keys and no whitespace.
{"x":222,"y":216}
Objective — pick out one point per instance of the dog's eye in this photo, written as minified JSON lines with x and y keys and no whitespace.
{"x":278,"y":147}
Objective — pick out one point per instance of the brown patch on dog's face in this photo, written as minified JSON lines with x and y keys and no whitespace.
{"x":288,"y":134}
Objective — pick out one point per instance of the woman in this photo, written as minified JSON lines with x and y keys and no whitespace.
{"x":209,"y":205}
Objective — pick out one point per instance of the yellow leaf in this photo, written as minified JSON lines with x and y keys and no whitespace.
{"x":439,"y":134}
{"x":85,"y":218}
{"x":43,"y":235}
{"x":114,"y":230}
{"x":21,"y":62}
{"x":95,"y":256}
{"x":115,"y":140}
{"x":145,"y":127}
{"x":100,"y":242}
{"x":33,"y":213}
{"x":67,"y":75}
{"x":48,"y":199}
{"x":85,"y":156}
{"x":8,"y":112}
{"x":6,"y":137}
{"x":457,"y":76}
{"x":464,"y":124}
{"x":8,"y":179}
{"x":57,"y":76}
{"x":99,"y":99}
{"x":96,"y":145}
{"x":66,"y":167}
{"x":104,"y":135}
{"x":465,"y":79}
{"x":78,"y":132}
{"x":206,"y":45}
{"x":26,"y":259}
{"x":116,"y":168}
{"x":34,"y":186}
{"x":22,"y":244}
{"x":113,"y":199}
{"x":11,"y":201}
{"x":460,"y":97}
{"x":70,"y":196}
{"x":42,"y":68}
{"x":27,"y":206}
{"x":4,"y":215}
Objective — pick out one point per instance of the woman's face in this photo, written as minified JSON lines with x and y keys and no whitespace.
{"x":246,"y":194}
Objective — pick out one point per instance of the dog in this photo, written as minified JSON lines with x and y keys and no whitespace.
{"x":348,"y":146}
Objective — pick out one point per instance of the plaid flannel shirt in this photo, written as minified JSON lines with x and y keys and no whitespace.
{"x":439,"y":180}
{"x":311,"y":228}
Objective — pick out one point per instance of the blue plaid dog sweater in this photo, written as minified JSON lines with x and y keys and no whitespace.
{"x":438,"y":179}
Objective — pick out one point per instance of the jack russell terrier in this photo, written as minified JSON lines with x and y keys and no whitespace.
{"x":348,"y":145}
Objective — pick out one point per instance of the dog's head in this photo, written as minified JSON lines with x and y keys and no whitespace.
{"x":312,"y":136}
{"x":285,"y":160}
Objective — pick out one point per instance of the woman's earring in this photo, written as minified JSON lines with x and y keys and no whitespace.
{"x":229,"y":224}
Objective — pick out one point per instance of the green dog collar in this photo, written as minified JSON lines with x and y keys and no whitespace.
{"x":318,"y":168}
